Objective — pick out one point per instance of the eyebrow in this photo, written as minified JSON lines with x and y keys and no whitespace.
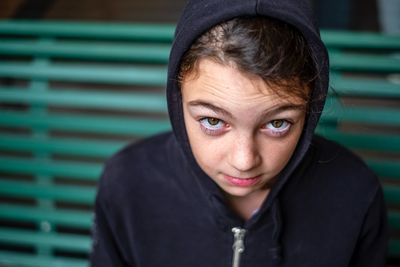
{"x":203,"y":104}
{"x":281,"y":108}
{"x":269,"y":112}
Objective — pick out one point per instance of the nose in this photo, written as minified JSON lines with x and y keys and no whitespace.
{"x":244,"y":155}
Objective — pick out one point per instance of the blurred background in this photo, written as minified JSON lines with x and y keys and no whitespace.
{"x":342,"y":14}
{"x":81,"y":79}
{"x":102,"y":10}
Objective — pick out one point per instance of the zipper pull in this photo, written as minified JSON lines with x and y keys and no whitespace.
{"x":238,"y":245}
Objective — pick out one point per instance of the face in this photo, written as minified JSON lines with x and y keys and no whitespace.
{"x":241,"y":133}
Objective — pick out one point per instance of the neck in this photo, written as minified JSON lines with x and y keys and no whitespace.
{"x":246,"y":206}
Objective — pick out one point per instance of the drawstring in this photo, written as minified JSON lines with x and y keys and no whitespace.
{"x":276,"y":250}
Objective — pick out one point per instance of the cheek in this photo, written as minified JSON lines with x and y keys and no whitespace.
{"x":206,"y":151}
{"x":208,"y":154}
{"x":278,"y":158}
{"x":279,"y":153}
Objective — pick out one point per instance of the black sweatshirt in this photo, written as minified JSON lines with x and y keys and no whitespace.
{"x":156,"y":207}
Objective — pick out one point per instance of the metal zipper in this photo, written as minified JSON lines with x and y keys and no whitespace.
{"x":238,"y":245}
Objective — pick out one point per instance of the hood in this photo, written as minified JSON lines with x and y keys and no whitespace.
{"x":199,"y":16}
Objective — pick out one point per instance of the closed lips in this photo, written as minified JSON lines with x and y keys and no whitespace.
{"x":242,"y":181}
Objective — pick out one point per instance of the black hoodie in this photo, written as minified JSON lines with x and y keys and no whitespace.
{"x":156,"y":207}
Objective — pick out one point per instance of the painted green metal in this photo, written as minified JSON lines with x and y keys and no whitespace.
{"x":367,"y":63}
{"x":67,"y":242}
{"x":164,"y":32}
{"x":357,"y":87}
{"x":15,"y":259}
{"x":42,"y":179}
{"x":392,"y":195}
{"x":60,"y":146}
{"x":89,"y":30}
{"x":85,"y":123}
{"x":60,"y":217}
{"x":73,"y":170}
{"x":394,"y":220}
{"x":358,"y":114}
{"x":373,"y":142}
{"x":146,"y":102}
{"x":360,"y":40}
{"x":147,"y":76}
{"x":73,"y":194}
{"x":386,"y":168}
{"x":394,"y":248}
{"x":98,"y":51}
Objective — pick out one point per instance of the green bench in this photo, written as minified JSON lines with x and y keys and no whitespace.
{"x":71,"y":94}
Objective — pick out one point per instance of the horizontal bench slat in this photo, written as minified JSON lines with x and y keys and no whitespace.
{"x":365,"y":141}
{"x":16,"y":259}
{"x":85,"y":123}
{"x":392,"y":195}
{"x":60,"y":146}
{"x":364,"y":87}
{"x":69,"y":242}
{"x":94,"y":99}
{"x":367,"y":63}
{"x":361,"y":114}
{"x":360,"y":40}
{"x":127,"y":75}
{"x":90,"y":30}
{"x":150,"y":53}
{"x":157,"y":76}
{"x":385,"y":168}
{"x":67,"y":169}
{"x":71,"y":218}
{"x":394,"y":248}
{"x":164,"y":32}
{"x":73,"y":194}
{"x":394,"y":220}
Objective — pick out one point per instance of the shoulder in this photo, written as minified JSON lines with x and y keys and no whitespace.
{"x":138,"y":168}
{"x":332,"y":156}
{"x":343,"y":172}
{"x":144,"y":150}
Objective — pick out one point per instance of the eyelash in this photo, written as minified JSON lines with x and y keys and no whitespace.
{"x":213,"y":130}
{"x":280,"y":132}
{"x":210,"y":129}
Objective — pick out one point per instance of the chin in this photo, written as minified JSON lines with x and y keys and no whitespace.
{"x":238,"y":192}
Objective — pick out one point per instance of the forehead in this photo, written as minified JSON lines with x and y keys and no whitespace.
{"x":227,"y":84}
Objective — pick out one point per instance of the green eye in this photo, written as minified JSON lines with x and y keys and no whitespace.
{"x":213,"y":121}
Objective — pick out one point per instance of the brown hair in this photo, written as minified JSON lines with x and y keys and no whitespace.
{"x":273,"y":50}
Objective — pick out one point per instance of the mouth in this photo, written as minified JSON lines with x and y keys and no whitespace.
{"x":242,"y":182}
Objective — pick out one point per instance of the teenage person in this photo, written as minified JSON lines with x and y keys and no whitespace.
{"x":242,"y":180}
